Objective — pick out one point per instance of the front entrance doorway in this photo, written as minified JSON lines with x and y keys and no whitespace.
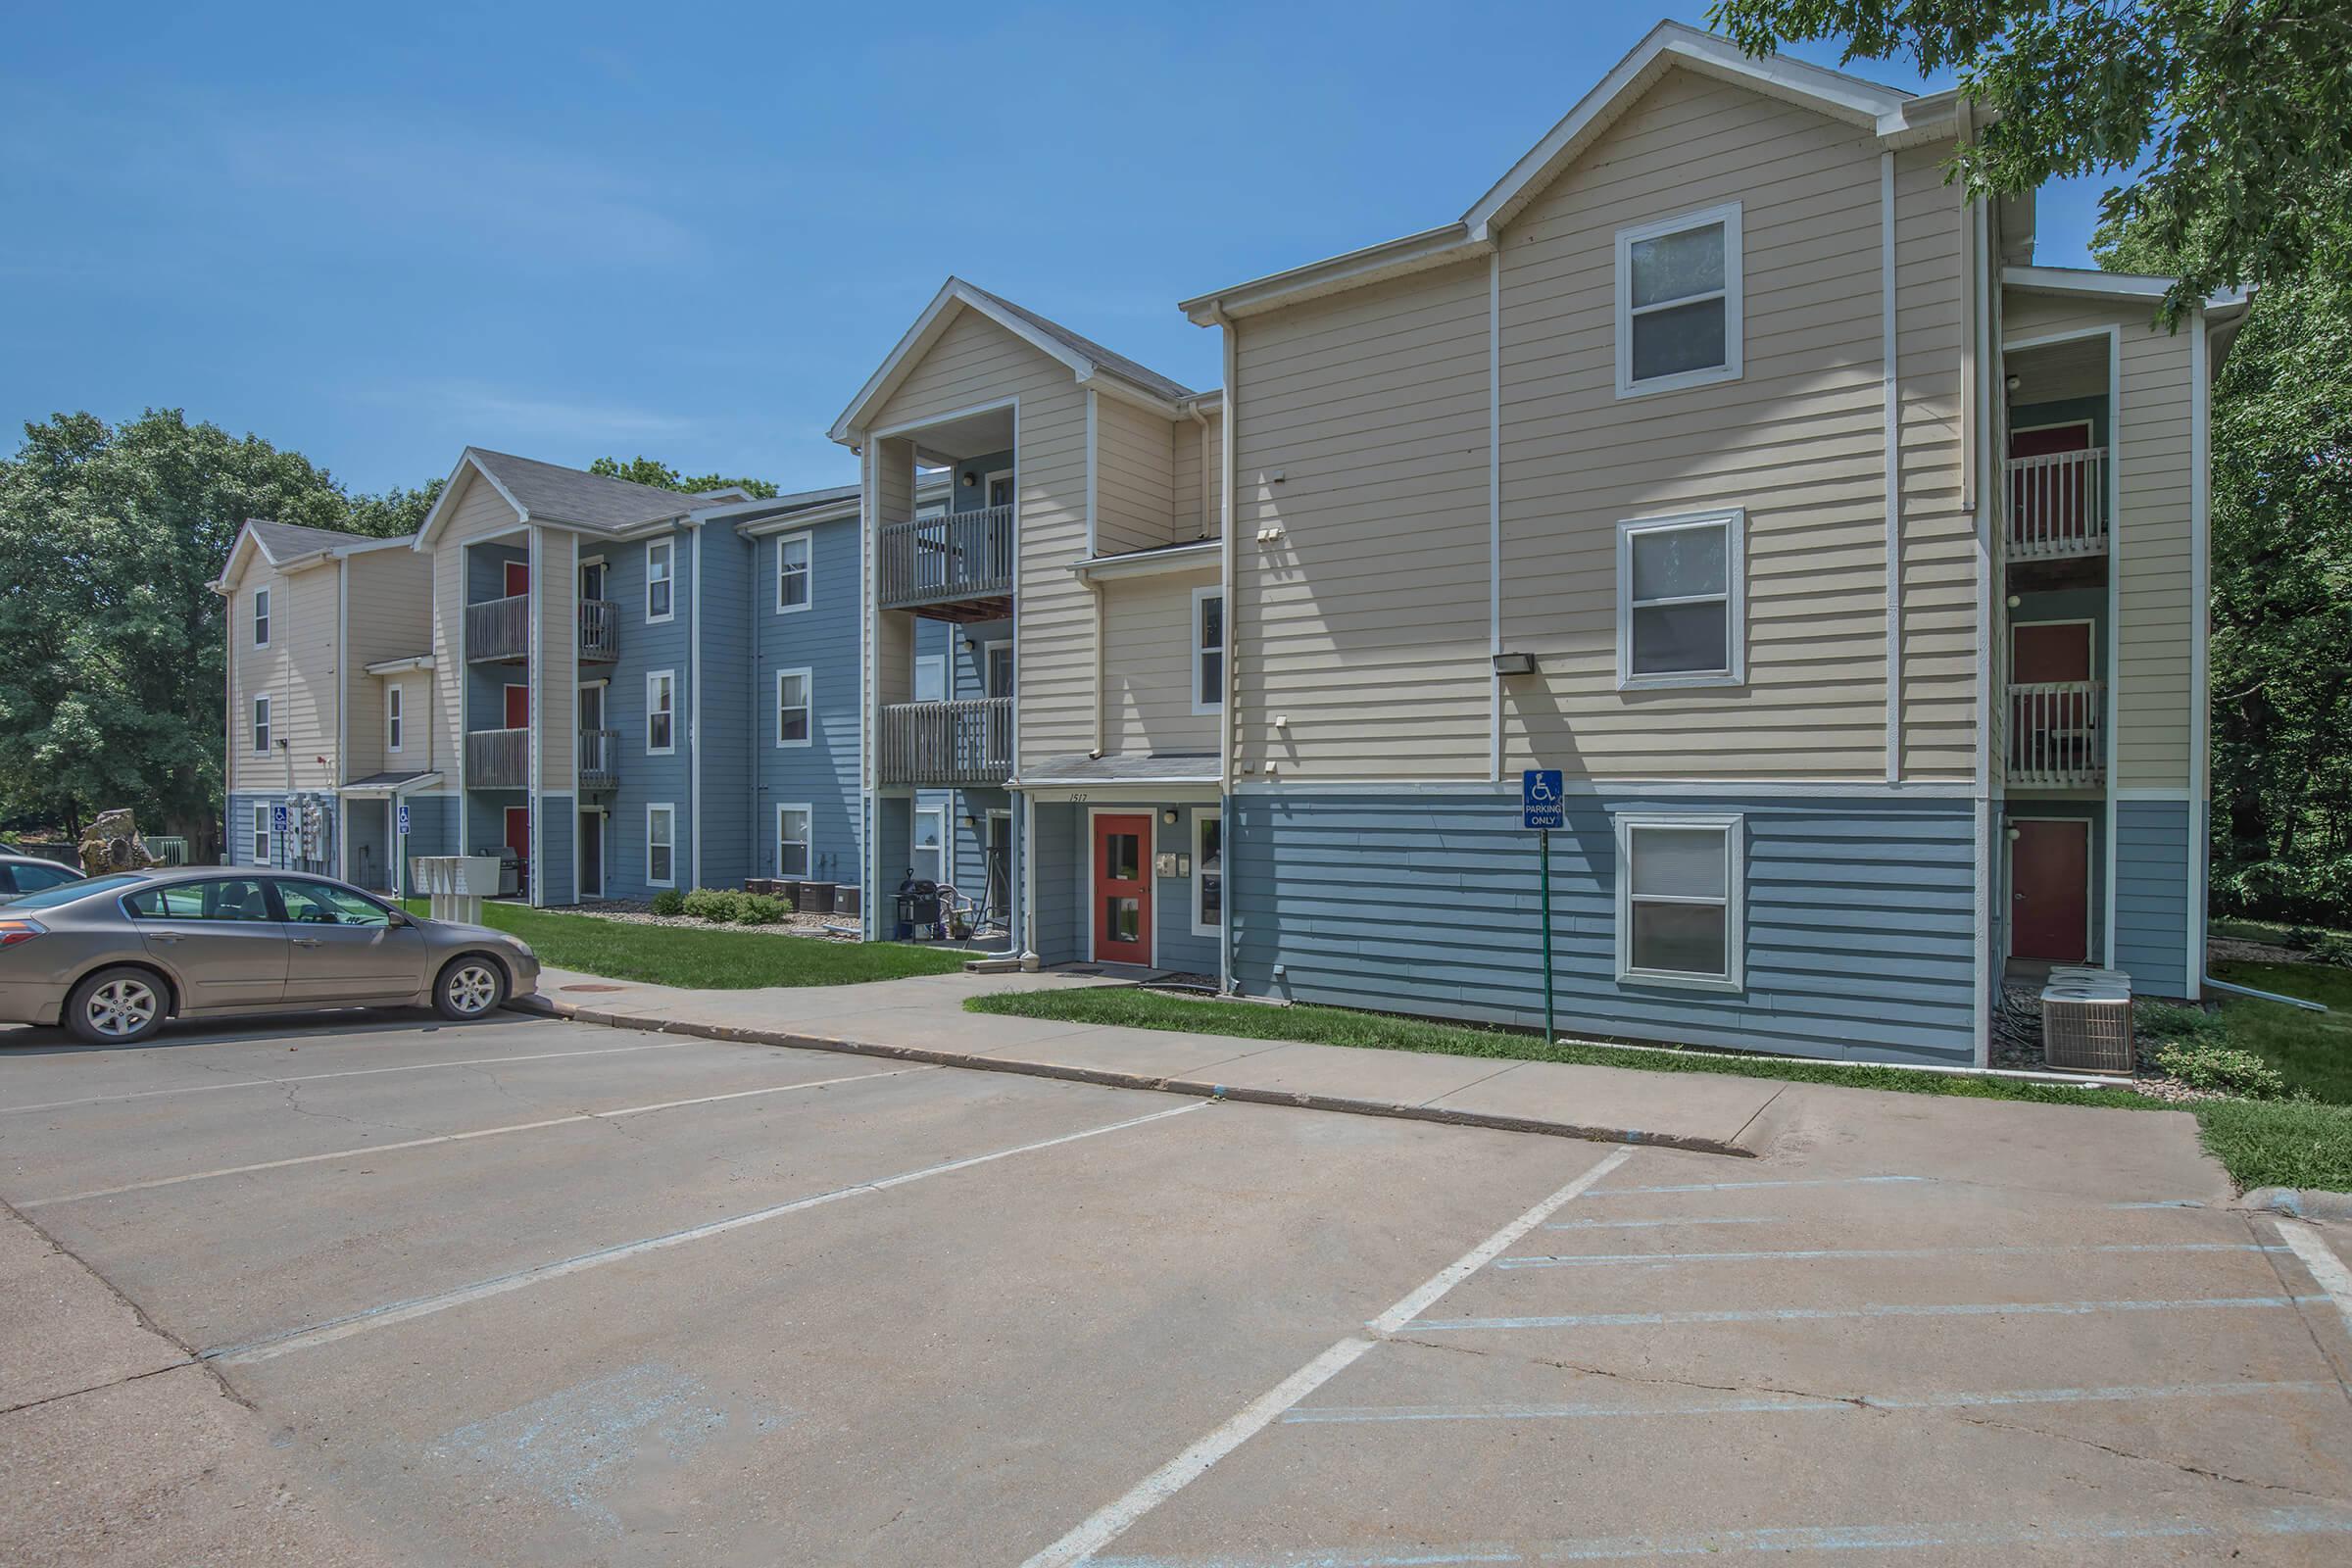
{"x":592,"y":855}
{"x":2049,"y":890}
{"x":1122,"y":919}
{"x":519,"y":839}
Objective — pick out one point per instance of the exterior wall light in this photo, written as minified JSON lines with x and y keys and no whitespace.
{"x":1514,"y":663}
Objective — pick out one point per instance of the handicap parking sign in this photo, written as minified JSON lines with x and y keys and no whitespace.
{"x":1542,"y":803}
{"x":281,"y":819}
{"x":404,"y":820}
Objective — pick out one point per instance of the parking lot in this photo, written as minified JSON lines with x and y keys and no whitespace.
{"x":535,"y":1291}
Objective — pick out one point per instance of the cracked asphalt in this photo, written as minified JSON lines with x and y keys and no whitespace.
{"x":531,"y":1292}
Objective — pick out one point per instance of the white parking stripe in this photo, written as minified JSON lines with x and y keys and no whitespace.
{"x":1832,"y":1254}
{"x":1115,"y":1520}
{"x":2326,"y":1267}
{"x":377,"y":1318}
{"x":459,"y":1138}
{"x":2122,"y":1394}
{"x":1827,"y":1314}
{"x":350,"y":1072}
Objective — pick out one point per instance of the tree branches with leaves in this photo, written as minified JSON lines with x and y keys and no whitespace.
{"x":2228,"y":121}
{"x":642,"y":469}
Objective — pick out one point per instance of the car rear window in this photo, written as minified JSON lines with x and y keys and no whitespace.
{"x":68,"y":892}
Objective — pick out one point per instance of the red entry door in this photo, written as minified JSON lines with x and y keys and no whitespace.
{"x":2044,"y":652}
{"x":518,"y":578}
{"x":2049,"y":876}
{"x":1122,"y":889}
{"x":519,"y":839}
{"x":518,"y":708}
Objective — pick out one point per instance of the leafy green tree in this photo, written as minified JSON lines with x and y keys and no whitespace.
{"x":396,"y":512}
{"x":111,"y":645}
{"x":2230,"y":120}
{"x":642,"y":470}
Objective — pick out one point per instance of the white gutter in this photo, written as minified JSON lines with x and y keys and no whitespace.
{"x":2262,"y":995}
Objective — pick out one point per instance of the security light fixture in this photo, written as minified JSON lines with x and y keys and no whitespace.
{"x":1514,"y":663}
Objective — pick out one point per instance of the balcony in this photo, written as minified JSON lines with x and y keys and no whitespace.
{"x":600,"y":758}
{"x":498,"y":631}
{"x":957,"y":566}
{"x":931,"y":744}
{"x":497,"y":758}
{"x":2053,"y":736}
{"x":2058,"y":505}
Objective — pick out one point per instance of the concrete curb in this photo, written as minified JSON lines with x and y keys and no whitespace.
{"x":2303,"y":1202}
{"x":1197,"y":1088}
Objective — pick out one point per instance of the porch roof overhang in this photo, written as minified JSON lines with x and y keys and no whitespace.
{"x":1193,"y":554}
{"x":390,"y":783}
{"x":400,"y":667}
{"x":1144,"y":778}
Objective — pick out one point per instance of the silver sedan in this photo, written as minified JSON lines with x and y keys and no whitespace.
{"x":113,"y":956}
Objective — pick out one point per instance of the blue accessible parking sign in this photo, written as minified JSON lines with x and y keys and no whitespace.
{"x":1541,"y":804}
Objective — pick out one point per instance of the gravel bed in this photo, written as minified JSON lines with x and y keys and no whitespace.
{"x":2017,"y":1046}
{"x":631,"y":913}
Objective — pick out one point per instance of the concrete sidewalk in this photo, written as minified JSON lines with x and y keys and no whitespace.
{"x":2062,"y":1149}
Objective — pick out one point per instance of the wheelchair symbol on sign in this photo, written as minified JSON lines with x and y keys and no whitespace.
{"x":1541,"y":789}
{"x":1540,"y":798}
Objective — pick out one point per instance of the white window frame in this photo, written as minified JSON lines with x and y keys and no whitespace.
{"x":261,"y":835}
{"x":937,"y":662}
{"x":1734,"y":522}
{"x":989,"y":684}
{"x":807,"y":545}
{"x":1727,"y":214}
{"x":261,"y":617}
{"x":1204,"y":700}
{"x":395,"y":721}
{"x":808,"y":842}
{"x":670,"y":815}
{"x":988,"y":487}
{"x":1732,"y":826}
{"x":808,"y":703}
{"x":263,"y":730}
{"x":1201,"y":821}
{"x":946,"y":851}
{"x":594,"y":564}
{"x":659,"y":680}
{"x":669,"y":552}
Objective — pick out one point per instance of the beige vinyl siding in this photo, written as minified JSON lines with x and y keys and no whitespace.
{"x":1135,"y":476}
{"x":2155,"y":550}
{"x":479,"y":511}
{"x":1199,"y":453}
{"x":296,"y":672}
{"x":975,"y":362}
{"x":1797,"y":440}
{"x":1363,"y":624}
{"x":1939,"y":532}
{"x":389,"y":604}
{"x":556,"y":579}
{"x":1148,"y":669}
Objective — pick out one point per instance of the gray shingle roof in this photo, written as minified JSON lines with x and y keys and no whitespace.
{"x":557,"y":494}
{"x":1119,"y":363}
{"x":286,"y":540}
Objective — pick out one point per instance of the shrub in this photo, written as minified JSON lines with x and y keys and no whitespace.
{"x":759,"y":909}
{"x":2166,"y":1020}
{"x":718,"y":906}
{"x":2210,"y":1064}
{"x":669,"y":902}
{"x":2333,"y":947}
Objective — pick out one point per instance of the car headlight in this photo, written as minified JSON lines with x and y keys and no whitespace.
{"x":525,"y":948}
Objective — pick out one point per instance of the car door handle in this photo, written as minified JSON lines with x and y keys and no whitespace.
{"x":164,"y":936}
{"x":306,"y":942}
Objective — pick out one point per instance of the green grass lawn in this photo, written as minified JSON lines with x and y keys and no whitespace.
{"x":715,"y":958}
{"x":2233,"y":929}
{"x":2314,"y":1050}
{"x":2260,"y":1144}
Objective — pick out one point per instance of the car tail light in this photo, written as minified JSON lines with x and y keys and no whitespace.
{"x":12,"y":932}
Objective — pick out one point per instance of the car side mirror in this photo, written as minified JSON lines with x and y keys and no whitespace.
{"x":400,"y":919}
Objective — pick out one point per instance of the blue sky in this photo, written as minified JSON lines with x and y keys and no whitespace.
{"x":377,"y":234}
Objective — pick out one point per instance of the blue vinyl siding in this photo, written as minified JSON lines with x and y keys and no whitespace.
{"x":724,"y":723}
{"x":1061,"y":931}
{"x":368,"y":840}
{"x":1172,"y":915}
{"x":432,"y":824}
{"x":823,"y":639}
{"x":559,"y":819}
{"x":2152,"y":895}
{"x":642,"y":777}
{"x":1860,"y":925}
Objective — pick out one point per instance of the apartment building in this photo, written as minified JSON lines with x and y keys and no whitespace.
{"x":1722,"y":455}
{"x":1046,"y":643}
{"x":313,"y":723}
{"x":622,"y":688}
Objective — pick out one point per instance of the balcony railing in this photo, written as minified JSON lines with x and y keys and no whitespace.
{"x":497,"y":758}
{"x":2058,"y":505}
{"x":960,"y":556}
{"x":600,"y":758}
{"x":968,"y":742}
{"x":497,"y":629}
{"x":2054,"y":739}
{"x":600,"y":631}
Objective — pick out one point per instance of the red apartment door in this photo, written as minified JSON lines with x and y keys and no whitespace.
{"x":2049,"y":501}
{"x":518,"y":708}
{"x":519,"y":839}
{"x":2043,"y":652}
{"x":518,"y":578}
{"x":1122,"y":889}
{"x":2049,"y":876}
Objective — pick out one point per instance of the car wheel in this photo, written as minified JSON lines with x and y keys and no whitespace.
{"x":470,"y":987}
{"x":115,"y":1006}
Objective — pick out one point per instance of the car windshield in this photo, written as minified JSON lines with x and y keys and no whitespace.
{"x":68,"y":892}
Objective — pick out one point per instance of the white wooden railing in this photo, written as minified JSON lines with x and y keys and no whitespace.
{"x":966,"y":742}
{"x":2054,"y":735}
{"x":2058,"y":505}
{"x":959,"y":555}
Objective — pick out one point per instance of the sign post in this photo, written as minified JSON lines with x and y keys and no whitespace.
{"x":1542,"y":807}
{"x":282,"y":823}
{"x":400,"y":848}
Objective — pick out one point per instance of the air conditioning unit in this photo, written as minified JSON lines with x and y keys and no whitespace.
{"x":2086,"y":1020}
